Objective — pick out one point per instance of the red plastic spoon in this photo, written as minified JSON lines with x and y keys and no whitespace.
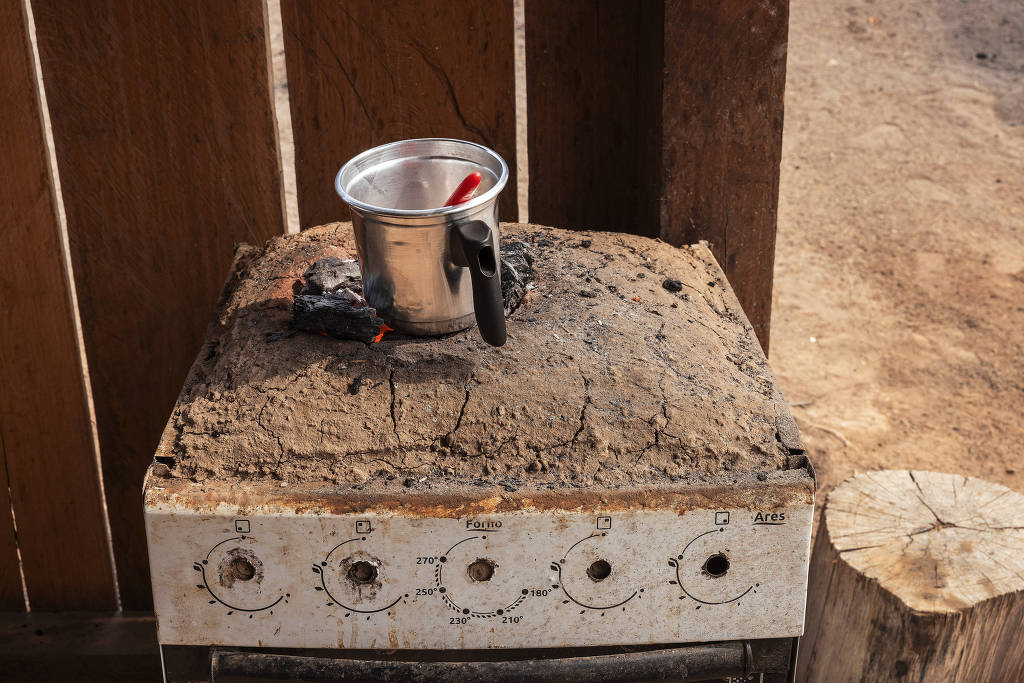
{"x":464,"y":192}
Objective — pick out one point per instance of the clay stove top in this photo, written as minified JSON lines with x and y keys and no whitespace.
{"x":608,"y":380}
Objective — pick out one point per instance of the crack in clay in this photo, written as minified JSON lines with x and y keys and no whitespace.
{"x":709,"y":328}
{"x":511,"y":439}
{"x":583,"y":410}
{"x":259,"y":417}
{"x":658,"y":431}
{"x":458,"y":422}
{"x":394,"y":417}
{"x":271,"y":433}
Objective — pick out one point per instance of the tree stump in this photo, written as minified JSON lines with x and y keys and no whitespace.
{"x":916,"y":576}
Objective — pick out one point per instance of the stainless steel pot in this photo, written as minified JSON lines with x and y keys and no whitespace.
{"x":428,"y":269}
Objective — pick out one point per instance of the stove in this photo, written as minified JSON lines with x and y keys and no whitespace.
{"x":621,"y":485}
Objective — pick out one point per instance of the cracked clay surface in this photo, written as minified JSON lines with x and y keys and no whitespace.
{"x":608,"y":379}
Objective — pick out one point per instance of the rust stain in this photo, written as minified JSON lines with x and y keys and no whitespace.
{"x":207,"y":497}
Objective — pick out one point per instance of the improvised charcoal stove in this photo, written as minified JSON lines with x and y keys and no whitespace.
{"x":623,"y":472}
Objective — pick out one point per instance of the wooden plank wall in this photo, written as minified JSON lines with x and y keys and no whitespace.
{"x":662,"y":118}
{"x":593,"y":81}
{"x":722,"y":109}
{"x":164,"y":130}
{"x":11,"y":597}
{"x":46,"y":444}
{"x":365,"y":72}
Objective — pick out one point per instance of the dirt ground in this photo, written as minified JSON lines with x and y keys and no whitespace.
{"x":897,"y":325}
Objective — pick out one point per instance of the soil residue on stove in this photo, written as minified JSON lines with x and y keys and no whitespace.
{"x":609,"y":378}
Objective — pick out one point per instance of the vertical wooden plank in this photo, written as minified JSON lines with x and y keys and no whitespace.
{"x":164,"y":131}
{"x":11,"y":597}
{"x":365,"y":72}
{"x":46,"y":446}
{"x":725,"y":76}
{"x":664,"y":118}
{"x":593,"y":92}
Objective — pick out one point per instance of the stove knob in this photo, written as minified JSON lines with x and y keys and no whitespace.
{"x":235,"y":577}
{"x":597,"y":574}
{"x":355,"y":580}
{"x":361,"y":572}
{"x":709,"y":569}
{"x":474,"y":579}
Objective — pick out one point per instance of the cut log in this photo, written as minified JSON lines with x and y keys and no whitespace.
{"x":916,"y":576}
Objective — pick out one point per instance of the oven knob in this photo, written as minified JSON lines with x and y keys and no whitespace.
{"x":476,"y":579}
{"x":354,"y":579}
{"x":234,"y":576}
{"x":708,"y":570}
{"x":597,"y":574}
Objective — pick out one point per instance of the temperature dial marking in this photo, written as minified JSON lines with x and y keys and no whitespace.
{"x":479,"y":572}
{"x":362,"y":572}
{"x":239,"y":571}
{"x":714,"y":567}
{"x":595,"y":572}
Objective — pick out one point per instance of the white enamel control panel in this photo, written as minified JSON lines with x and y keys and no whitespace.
{"x":521,"y":579}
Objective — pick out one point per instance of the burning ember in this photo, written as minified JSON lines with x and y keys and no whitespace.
{"x":384,"y":329}
{"x":331,"y":303}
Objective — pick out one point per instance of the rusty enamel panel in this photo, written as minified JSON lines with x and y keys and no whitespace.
{"x":262,"y":572}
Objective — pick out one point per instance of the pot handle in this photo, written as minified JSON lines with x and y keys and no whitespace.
{"x":473,"y":247}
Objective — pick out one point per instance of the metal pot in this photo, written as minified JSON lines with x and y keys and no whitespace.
{"x":428,"y":269}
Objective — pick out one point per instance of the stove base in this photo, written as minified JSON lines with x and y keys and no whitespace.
{"x":763,"y":660}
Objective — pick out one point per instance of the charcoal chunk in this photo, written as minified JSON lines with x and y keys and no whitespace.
{"x":330,"y":274}
{"x":516,"y":272}
{"x":342,"y":315}
{"x":330,"y":303}
{"x":672,"y":285}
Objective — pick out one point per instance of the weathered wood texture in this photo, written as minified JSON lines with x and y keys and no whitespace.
{"x":722,"y":109}
{"x":46,"y":446}
{"x":11,"y":597}
{"x":365,"y":72}
{"x":80,"y":647}
{"x":916,"y":576}
{"x":593,"y":99}
{"x":663,"y":118}
{"x":165,"y":136}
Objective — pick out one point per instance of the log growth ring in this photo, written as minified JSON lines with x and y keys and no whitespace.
{"x":940,"y":543}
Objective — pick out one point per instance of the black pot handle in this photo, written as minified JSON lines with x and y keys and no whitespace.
{"x":473,"y":247}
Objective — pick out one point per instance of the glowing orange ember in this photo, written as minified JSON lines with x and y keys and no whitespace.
{"x":384,"y":329}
